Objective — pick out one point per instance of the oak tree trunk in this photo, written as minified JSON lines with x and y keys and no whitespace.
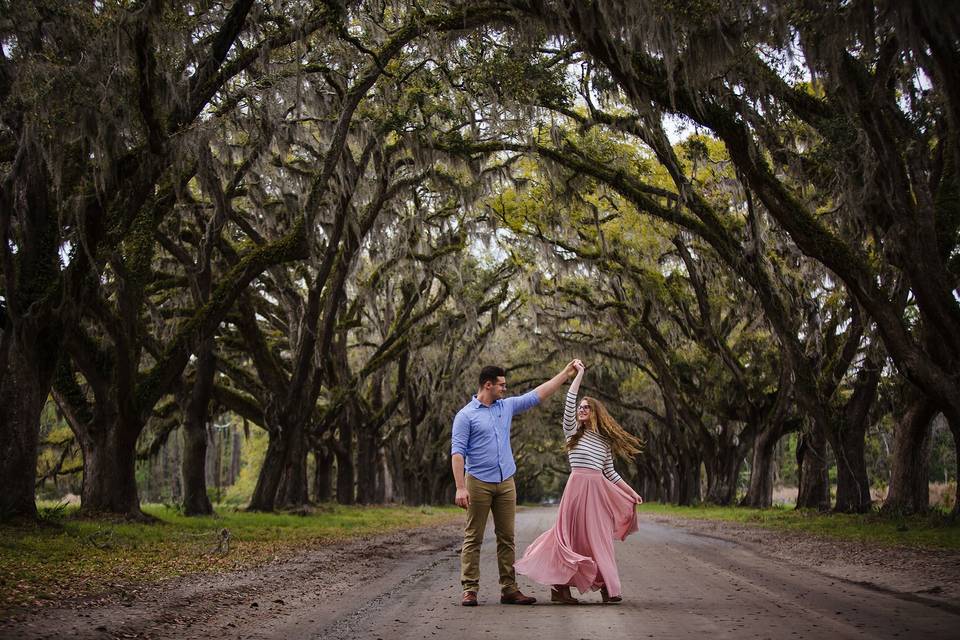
{"x":760,"y":492}
{"x":109,"y":469}
{"x":345,"y":466}
{"x":848,"y":441}
{"x":268,"y":481}
{"x":688,"y":472}
{"x":24,"y":384}
{"x":322,"y":480}
{"x":814,"y":490}
{"x":724,"y":472}
{"x":292,"y":492}
{"x":196,"y":502}
{"x":909,"y":490}
{"x":367,"y":440}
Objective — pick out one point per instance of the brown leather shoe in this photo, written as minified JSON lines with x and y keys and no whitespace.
{"x":516,"y":598}
{"x":469,"y":599}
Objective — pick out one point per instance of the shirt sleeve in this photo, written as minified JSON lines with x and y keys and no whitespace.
{"x":519,"y":404}
{"x":608,"y":469}
{"x":460,"y":437}
{"x":570,"y":414}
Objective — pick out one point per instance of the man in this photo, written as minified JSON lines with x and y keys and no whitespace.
{"x":481,"y":447}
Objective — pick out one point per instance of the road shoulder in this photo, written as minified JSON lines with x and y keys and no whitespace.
{"x":923,"y":575}
{"x":288,"y":598}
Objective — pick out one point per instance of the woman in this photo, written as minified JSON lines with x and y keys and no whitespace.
{"x":597,"y":506}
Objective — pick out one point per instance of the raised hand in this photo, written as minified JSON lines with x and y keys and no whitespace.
{"x":546,"y":389}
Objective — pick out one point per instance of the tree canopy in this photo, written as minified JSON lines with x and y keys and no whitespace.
{"x":323,"y":217}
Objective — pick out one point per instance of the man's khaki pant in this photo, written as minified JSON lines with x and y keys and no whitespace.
{"x":501,"y":499}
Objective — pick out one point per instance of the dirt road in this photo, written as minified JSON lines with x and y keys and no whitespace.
{"x":676,"y":585}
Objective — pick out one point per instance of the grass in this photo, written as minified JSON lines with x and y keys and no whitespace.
{"x":64,"y":556}
{"x":933,"y":531}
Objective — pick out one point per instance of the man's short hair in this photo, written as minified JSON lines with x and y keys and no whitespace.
{"x":490,"y":373}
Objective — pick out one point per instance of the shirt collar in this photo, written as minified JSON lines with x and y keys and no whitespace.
{"x":476,"y":404}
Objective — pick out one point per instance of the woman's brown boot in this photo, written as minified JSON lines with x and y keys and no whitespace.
{"x":561,"y":594}
{"x":607,"y":597}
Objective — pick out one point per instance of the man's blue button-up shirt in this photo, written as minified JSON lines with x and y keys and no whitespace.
{"x":481,"y":434}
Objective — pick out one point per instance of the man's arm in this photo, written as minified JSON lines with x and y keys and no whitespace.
{"x":459,"y":439}
{"x":550,"y":387}
{"x":463,"y":496}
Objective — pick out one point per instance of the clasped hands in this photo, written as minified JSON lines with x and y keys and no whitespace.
{"x":575,"y":367}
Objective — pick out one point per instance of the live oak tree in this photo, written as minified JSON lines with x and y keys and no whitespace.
{"x":159,"y":83}
{"x":878,"y":143}
{"x":99,"y":103}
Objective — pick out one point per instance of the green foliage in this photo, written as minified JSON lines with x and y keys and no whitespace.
{"x":252,"y":453}
{"x":59,"y":461}
{"x":52,"y":512}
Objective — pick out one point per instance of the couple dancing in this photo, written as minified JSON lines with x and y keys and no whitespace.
{"x":597,"y":505}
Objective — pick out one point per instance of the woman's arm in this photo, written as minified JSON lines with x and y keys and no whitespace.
{"x":617,"y":479}
{"x":570,"y":406}
{"x":636,"y":496}
{"x":608,"y":469}
{"x":575,"y":385}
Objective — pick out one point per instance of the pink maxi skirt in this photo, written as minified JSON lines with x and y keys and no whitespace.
{"x":578,"y":549}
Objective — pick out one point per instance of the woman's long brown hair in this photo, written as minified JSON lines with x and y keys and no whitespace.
{"x":623,"y":444}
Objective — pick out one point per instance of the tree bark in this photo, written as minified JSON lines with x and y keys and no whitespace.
{"x":345,"y":466}
{"x":384,"y":481}
{"x":760,"y":492}
{"x":193,"y":471}
{"x":723,"y":475}
{"x":107,"y":431}
{"x":24,"y":384}
{"x":109,"y":470}
{"x":909,"y":490}
{"x":236,"y":447}
{"x":853,"y":484}
{"x":814,"y":490}
{"x":268,"y":481}
{"x":367,"y":441}
{"x":196,"y":502}
{"x":688,"y":472}
{"x":30,"y":332}
{"x":848,"y":441}
{"x":292,"y":492}
{"x":322,"y":481}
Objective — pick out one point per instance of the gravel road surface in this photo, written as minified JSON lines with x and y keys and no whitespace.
{"x":677,"y":583}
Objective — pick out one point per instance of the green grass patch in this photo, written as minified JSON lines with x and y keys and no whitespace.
{"x":932,"y":531}
{"x":64,"y":556}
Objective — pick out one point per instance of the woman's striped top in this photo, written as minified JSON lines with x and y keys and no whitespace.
{"x":593,"y":450}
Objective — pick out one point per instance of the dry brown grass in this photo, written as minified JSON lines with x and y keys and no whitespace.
{"x":943,"y":494}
